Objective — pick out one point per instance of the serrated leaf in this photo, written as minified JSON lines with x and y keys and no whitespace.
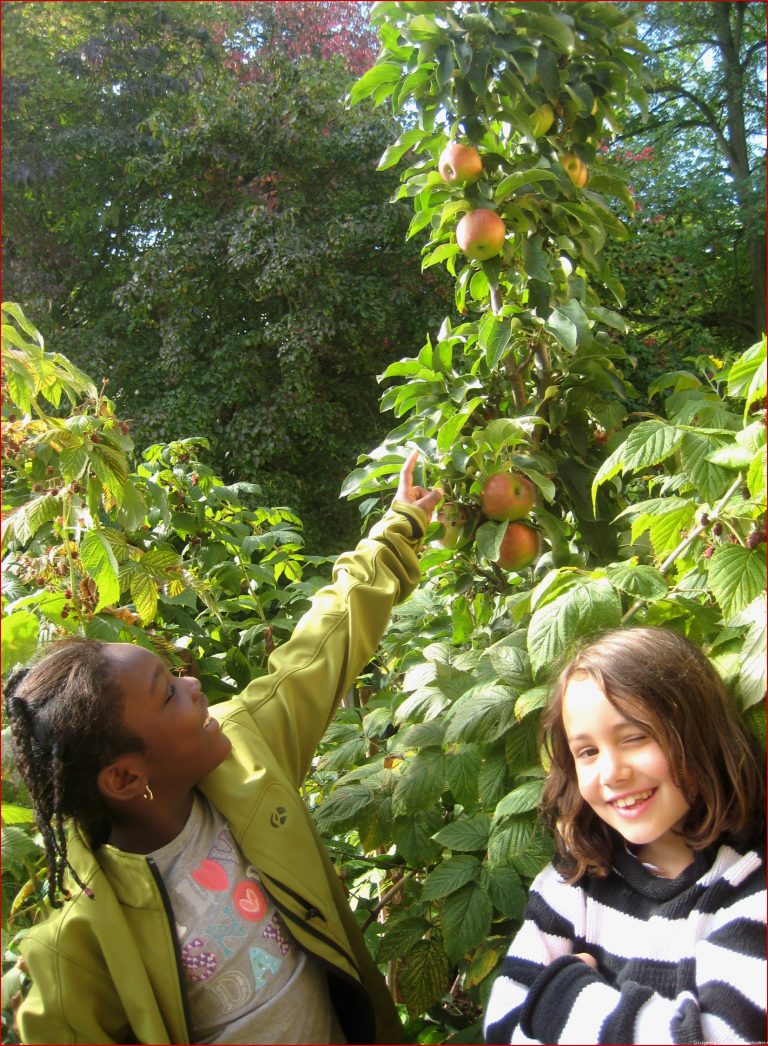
{"x":509,"y":840}
{"x":420,"y":784}
{"x":506,"y":890}
{"x":519,"y":801}
{"x":511,"y":664}
{"x":467,"y":918}
{"x":399,"y":938}
{"x":461,"y":770}
{"x":413,"y":837}
{"x":483,"y":714}
{"x":466,"y":834}
{"x":737,"y":576}
{"x":343,"y":806}
{"x":450,"y":876}
{"x":424,"y":976}
{"x":590,"y":607}
{"x":14,"y":814}
{"x":638,"y":580}
{"x":99,"y":560}
{"x":650,"y":443}
{"x":611,"y":467}
{"x":17,"y":848}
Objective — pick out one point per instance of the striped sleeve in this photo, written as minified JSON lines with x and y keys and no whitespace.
{"x":543,"y":994}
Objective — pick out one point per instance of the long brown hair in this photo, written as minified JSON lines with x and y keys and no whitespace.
{"x":657,"y":677}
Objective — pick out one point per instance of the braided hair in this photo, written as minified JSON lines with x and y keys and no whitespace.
{"x":65,"y":713}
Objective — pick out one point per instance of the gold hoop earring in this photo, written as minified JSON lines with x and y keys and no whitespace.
{"x":148,"y":793}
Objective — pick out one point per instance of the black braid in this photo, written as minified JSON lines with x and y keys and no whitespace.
{"x":66,"y":718}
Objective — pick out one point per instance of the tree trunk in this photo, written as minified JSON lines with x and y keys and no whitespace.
{"x":728,"y":19}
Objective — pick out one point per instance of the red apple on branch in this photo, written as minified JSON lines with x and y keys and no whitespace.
{"x":459,"y":164}
{"x":480,"y":234}
{"x":507,"y":495}
{"x":520,"y":546}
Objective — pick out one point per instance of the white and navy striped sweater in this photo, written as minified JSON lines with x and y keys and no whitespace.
{"x":679,"y":960}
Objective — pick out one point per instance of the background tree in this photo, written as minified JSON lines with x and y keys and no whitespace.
{"x":229,"y":262}
{"x":697,"y":167}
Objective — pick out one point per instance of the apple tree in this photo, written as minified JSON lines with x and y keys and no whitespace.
{"x":646,"y":512}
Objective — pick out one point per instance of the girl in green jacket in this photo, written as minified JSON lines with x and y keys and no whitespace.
{"x":195,"y":900}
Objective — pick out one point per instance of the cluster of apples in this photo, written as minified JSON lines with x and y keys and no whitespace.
{"x":504,"y":497}
{"x":480,"y":233}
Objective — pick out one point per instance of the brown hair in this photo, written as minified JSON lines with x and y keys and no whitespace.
{"x":66,"y":717}
{"x":656,"y":677}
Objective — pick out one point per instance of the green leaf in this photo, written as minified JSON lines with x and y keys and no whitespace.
{"x":448,"y":432}
{"x":400,"y":936}
{"x":450,"y":876}
{"x":467,"y":918}
{"x":385,"y":73}
{"x":509,"y":841}
{"x":506,"y":890}
{"x":612,"y":465}
{"x":413,"y":837}
{"x":563,"y":328}
{"x":638,"y":580}
{"x":20,"y":636}
{"x":482,"y":714}
{"x":751,"y":683}
{"x":519,"y":801}
{"x":514,"y":181}
{"x":99,"y":560}
{"x":650,"y":443}
{"x":342,"y":808}
{"x":420,"y":783}
{"x":465,"y":833}
{"x":13,"y":814}
{"x":461,"y":770}
{"x":424,"y":976}
{"x":511,"y":663}
{"x":756,"y":476}
{"x":17,"y":848}
{"x":737,"y":576}
{"x":586,"y":608}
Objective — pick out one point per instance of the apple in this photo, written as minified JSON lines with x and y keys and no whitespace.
{"x":519,"y":547}
{"x":507,"y":495}
{"x":575,"y":169}
{"x":542,"y":119}
{"x":452,"y":517}
{"x":480,"y":234}
{"x":459,"y":164}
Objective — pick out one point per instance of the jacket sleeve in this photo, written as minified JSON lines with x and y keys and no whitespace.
{"x":545,"y":994}
{"x":308,"y":675}
{"x":68,"y":1002}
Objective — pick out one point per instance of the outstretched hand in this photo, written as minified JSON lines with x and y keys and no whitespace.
{"x":415,"y":495}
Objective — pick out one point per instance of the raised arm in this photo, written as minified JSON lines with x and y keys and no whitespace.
{"x":293,"y":703}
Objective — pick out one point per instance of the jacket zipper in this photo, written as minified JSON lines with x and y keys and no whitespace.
{"x":176,"y":947}
{"x":326,"y":963}
{"x":308,"y":911}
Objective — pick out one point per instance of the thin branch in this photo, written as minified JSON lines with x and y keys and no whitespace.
{"x":387,"y":898}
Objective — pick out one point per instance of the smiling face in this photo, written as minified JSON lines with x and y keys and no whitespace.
{"x":169,"y":714}
{"x":623,"y":775}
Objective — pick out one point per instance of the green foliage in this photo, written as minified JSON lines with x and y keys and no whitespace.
{"x":652,"y":516}
{"x":207,"y":227}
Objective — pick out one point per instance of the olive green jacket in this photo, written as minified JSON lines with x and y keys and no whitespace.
{"x":107,"y":969}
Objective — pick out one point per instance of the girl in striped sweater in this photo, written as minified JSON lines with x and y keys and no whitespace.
{"x":649,"y":926}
